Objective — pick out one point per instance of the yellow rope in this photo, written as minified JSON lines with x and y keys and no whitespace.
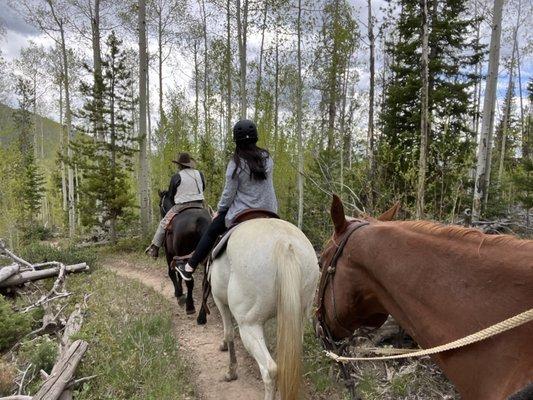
{"x":500,"y":327}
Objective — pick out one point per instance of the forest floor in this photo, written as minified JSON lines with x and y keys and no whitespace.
{"x":199,"y":344}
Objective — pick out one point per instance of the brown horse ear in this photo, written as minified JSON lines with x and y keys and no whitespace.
{"x":390,"y":214}
{"x":337,"y":214}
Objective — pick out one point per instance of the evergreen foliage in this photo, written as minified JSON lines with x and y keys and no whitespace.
{"x":105,"y":164}
{"x":451,"y":142}
{"x":31,"y":182}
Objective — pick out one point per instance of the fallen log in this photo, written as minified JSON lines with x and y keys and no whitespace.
{"x":28,"y":276}
{"x":16,"y":397}
{"x":62,"y":373}
{"x":9,"y":271}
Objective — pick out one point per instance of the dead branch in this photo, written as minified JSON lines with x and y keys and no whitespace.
{"x":28,"y":276}
{"x":45,"y":299}
{"x":9,"y":271}
{"x":18,"y":260}
{"x":16,"y":397}
{"x":21,"y":384}
{"x":62,"y":372}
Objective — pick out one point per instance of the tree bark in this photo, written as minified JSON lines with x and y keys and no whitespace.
{"x":62,"y":147}
{"x":97,"y":70}
{"x":424,"y":118}
{"x":242,"y":28}
{"x":160,"y":62}
{"x":196,"y":93}
{"x":371,"y":106}
{"x":507,"y":111}
{"x":299,"y":87}
{"x":143,"y":155}
{"x":62,"y":372}
{"x":260,"y":68}
{"x":228,"y":74}
{"x":482,"y":178}
{"x":8,"y":271}
{"x":30,"y":276}
{"x":276,"y":93}
{"x":68,"y":122}
{"x":207,"y":133}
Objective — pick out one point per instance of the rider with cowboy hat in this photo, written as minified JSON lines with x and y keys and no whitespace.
{"x":186,"y":187}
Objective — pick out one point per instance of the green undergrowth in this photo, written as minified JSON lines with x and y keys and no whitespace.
{"x":318,"y":368}
{"x":131,"y":347}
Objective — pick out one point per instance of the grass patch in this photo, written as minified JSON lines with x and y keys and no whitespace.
{"x":368,"y":387}
{"x":131,"y":346}
{"x":318,"y":368}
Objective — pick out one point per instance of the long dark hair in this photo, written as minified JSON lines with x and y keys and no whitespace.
{"x":254,"y":156}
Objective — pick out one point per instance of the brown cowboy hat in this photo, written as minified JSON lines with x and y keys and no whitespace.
{"x":185,"y":159}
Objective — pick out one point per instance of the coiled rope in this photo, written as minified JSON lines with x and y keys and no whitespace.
{"x":493,"y":330}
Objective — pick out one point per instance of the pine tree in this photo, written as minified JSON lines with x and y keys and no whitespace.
{"x":31,"y":184}
{"x":452,"y":55}
{"x":106,"y":164}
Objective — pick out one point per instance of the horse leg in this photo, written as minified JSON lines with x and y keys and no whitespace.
{"x":189,"y":301}
{"x":228,"y":342}
{"x":178,"y":291}
{"x":253,"y":339}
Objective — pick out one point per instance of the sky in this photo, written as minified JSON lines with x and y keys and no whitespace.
{"x":178,"y":71}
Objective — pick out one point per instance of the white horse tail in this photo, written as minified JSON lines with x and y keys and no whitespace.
{"x":290,"y":321}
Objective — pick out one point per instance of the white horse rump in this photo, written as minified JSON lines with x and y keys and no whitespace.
{"x":269,"y":269}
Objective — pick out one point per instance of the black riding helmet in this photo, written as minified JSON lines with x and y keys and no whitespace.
{"x":245,"y":132}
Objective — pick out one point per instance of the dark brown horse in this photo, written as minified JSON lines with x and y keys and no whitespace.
{"x":440,"y":283}
{"x":180,"y":240}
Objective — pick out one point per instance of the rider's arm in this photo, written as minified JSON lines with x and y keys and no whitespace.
{"x":175,"y":181}
{"x":203,"y":180}
{"x":230,"y":189}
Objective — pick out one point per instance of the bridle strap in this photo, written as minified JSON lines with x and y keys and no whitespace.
{"x":329,"y":273}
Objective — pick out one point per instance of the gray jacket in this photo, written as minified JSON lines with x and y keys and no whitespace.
{"x":241,"y":193}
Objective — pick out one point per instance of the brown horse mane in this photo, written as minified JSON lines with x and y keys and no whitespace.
{"x":459,"y":232}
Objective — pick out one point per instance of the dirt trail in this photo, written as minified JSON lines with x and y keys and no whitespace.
{"x":199,"y":343}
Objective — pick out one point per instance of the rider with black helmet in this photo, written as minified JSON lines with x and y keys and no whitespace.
{"x":248,"y":185}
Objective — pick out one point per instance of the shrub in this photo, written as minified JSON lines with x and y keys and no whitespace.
{"x":39,"y":252}
{"x":36,"y":232}
{"x":41,"y":353}
{"x":13,"y":325}
{"x":7,"y":378}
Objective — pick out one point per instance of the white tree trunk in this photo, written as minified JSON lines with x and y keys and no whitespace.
{"x":371,"y":106}
{"x":242,"y":28}
{"x":299,"y":87}
{"x":424,"y":118}
{"x":70,"y":136}
{"x":485,"y":141}
{"x":143,"y":154}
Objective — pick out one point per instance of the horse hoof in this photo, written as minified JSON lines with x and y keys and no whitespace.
{"x":182,"y":299}
{"x":190,"y":311}
{"x":230,"y":376}
{"x":201,"y":320}
{"x":223,"y":347}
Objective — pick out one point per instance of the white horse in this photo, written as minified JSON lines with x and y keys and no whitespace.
{"x":269,"y":269}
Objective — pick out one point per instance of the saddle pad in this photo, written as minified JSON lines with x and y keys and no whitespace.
{"x":184,"y":207}
{"x":221,"y":245}
{"x":243,"y":216}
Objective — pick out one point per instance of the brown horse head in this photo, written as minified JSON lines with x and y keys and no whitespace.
{"x":339,"y":317}
{"x":440,"y":283}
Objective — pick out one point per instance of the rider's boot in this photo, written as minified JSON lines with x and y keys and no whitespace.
{"x":185,"y":270}
{"x":152,"y":251}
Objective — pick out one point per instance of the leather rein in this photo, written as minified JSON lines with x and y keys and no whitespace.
{"x":327,"y":276}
